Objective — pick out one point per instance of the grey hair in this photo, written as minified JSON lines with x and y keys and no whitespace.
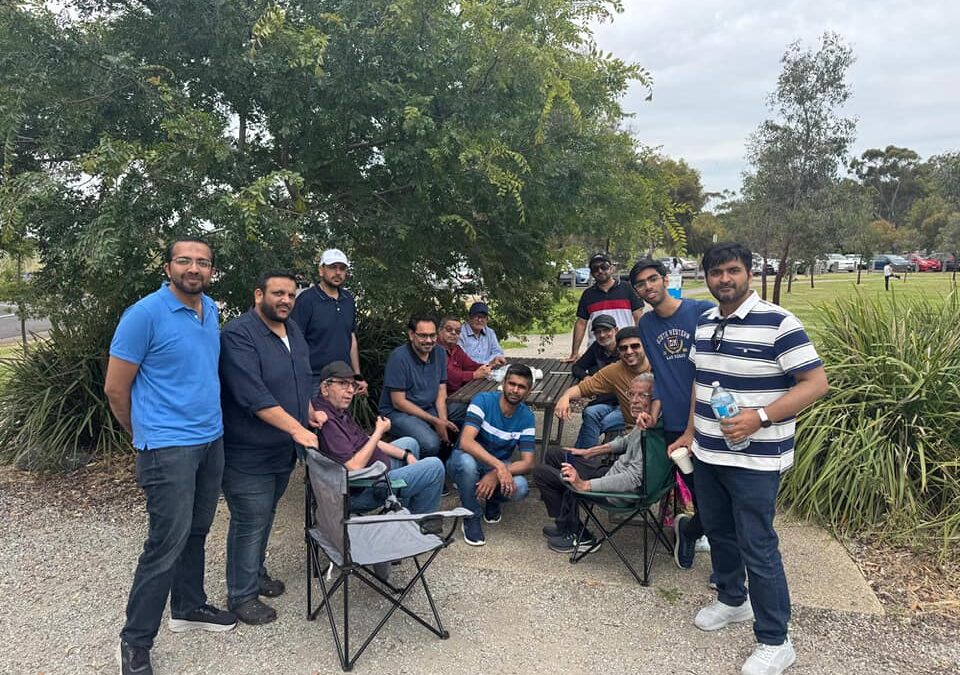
{"x":643,"y":377}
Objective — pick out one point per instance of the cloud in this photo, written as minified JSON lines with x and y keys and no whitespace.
{"x":714,"y":62}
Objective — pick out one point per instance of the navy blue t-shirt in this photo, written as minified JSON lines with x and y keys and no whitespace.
{"x":407,"y":372}
{"x":327,"y":323}
{"x":667,"y":345}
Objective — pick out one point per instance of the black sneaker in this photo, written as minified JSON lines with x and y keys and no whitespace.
{"x":551,"y":531}
{"x":255,"y":613}
{"x":684,"y":547}
{"x":567,"y":543}
{"x":492,"y":511}
{"x":133,"y":660}
{"x":270,"y":587}
{"x":205,"y":617}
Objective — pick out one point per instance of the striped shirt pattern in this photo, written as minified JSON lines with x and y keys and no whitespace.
{"x":619,"y":302}
{"x":498,"y":434}
{"x":762,"y":348}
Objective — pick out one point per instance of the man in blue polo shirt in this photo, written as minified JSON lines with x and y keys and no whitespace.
{"x":265,"y":373}
{"x":498,"y":424}
{"x":480,"y":341}
{"x":760,"y":353}
{"x":162,"y":386}
{"x":414,"y":396}
{"x":327,"y":315}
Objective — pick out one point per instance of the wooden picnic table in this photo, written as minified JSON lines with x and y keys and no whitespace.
{"x":557,"y":378}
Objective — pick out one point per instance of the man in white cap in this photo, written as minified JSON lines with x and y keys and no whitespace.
{"x":327,"y":315}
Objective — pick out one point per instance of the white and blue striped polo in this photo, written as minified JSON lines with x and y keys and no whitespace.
{"x":762,"y":347}
{"x":498,"y":434}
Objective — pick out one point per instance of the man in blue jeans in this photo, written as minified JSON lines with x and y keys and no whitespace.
{"x":760,"y":353}
{"x":414,"y":396}
{"x":267,"y":383}
{"x":482,"y":466}
{"x":602,"y":415}
{"x":345,"y":441}
{"x":163,"y":388}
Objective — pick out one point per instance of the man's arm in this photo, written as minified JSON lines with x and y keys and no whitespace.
{"x":637,"y":313}
{"x":277,"y":417}
{"x":579,"y":330}
{"x":117,"y":386}
{"x":362,"y":456}
{"x":586,"y":363}
{"x":686,"y":439}
{"x":810,"y":385}
{"x":355,"y":363}
{"x":562,"y":408}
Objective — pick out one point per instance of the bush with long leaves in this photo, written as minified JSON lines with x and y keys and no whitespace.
{"x":880,"y":453}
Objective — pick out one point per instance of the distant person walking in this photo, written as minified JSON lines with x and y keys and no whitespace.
{"x":887,"y":273}
{"x":163,"y":387}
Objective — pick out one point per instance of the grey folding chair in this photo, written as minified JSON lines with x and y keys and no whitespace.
{"x":355,"y":543}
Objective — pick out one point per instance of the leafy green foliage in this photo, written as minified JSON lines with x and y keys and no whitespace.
{"x":880,"y":453}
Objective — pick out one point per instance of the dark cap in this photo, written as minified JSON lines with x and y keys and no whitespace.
{"x":337,"y":369}
{"x":603,"y":321}
{"x":627,"y":333}
{"x":478,"y":308}
{"x":599,"y":258}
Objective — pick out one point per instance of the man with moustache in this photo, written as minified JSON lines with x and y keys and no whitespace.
{"x":478,"y":340}
{"x":498,"y":424}
{"x":760,"y":353}
{"x":327,"y":315}
{"x":606,"y":296}
{"x":162,"y":387}
{"x":667,"y":334}
{"x":602,"y":415}
{"x":266,"y":378}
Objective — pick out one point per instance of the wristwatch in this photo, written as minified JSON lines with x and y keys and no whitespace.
{"x":406,"y":453}
{"x":765,"y":422}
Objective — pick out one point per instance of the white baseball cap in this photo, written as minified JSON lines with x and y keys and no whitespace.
{"x":332,"y":256}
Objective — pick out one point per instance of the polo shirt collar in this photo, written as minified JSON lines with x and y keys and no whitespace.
{"x":740,"y":312}
{"x":173,"y":302}
{"x":430,"y":359}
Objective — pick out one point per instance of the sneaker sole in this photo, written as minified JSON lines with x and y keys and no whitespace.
{"x":119,"y":655}
{"x":492,"y":522}
{"x":467,"y":540}
{"x":184,"y":626}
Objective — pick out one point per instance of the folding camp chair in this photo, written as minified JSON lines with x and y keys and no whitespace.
{"x":657,"y":481}
{"x":355,"y":543}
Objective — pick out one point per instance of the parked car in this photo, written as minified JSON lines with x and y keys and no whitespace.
{"x":948,"y":262}
{"x":899,"y":263}
{"x":837,"y":262}
{"x":759,"y":268}
{"x":579,"y":276}
{"x":858,"y":261}
{"x":924,"y":264}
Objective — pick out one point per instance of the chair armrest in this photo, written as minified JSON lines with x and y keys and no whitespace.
{"x":617,"y":495}
{"x":395,"y":483}
{"x":375,"y":470}
{"x":458,"y":512}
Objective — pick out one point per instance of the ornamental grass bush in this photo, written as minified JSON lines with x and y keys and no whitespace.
{"x":879,"y":454}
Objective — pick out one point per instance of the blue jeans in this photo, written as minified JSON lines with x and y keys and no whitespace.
{"x":598,"y":419}
{"x":737,"y":509}
{"x":181,"y":484}
{"x":252,"y":499}
{"x":424,"y":481}
{"x":464,"y":470}
{"x":402,"y":424}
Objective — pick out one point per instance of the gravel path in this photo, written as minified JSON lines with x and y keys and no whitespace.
{"x":511,"y":607}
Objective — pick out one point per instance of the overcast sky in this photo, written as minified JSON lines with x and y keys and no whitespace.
{"x":714,"y":62}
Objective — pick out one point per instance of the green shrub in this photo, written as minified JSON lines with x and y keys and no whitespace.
{"x":880,"y":453}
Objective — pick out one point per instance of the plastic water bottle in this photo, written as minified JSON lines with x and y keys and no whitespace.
{"x":725,"y":406}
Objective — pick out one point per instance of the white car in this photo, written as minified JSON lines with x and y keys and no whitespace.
{"x":837,"y":262}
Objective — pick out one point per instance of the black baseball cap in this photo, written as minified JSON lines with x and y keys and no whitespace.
{"x":478,"y":308}
{"x":603,"y":321}
{"x":337,"y":369}
{"x":598,"y":258}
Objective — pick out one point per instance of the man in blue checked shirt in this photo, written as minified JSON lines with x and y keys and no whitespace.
{"x":482,"y":466}
{"x":760,"y":353}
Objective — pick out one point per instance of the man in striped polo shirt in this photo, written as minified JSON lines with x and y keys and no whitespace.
{"x":760,"y":353}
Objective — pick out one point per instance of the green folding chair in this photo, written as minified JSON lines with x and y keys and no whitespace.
{"x":658,"y":478}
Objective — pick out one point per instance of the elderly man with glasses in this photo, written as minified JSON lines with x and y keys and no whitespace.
{"x":606,"y":296}
{"x":414,"y":396}
{"x":345,"y":441}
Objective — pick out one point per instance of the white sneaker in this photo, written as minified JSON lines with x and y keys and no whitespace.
{"x":769,"y":659}
{"x":717,"y":615}
{"x":702,"y":545}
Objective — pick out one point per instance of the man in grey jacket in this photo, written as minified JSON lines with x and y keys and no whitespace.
{"x":583,"y":469}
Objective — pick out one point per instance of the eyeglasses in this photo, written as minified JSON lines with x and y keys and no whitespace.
{"x":717,"y":338}
{"x":644,"y":396}
{"x":632,"y":347}
{"x":426,"y":336}
{"x":202,"y":263}
{"x":642,"y":283}
{"x":602,"y":267}
{"x":349,"y":384}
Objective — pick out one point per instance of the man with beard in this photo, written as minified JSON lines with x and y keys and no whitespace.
{"x":606,"y":296}
{"x":667,"y":334}
{"x":414,"y":396}
{"x":265,"y":373}
{"x":327,"y":315}
{"x":602,"y":415}
{"x":498,"y":424}
{"x":163,"y":388}
{"x":760,"y":353}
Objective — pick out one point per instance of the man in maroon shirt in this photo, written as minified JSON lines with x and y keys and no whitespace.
{"x":346,"y":442}
{"x":460,"y":367}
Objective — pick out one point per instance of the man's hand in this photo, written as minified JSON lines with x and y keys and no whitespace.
{"x":505,"y":480}
{"x":570,"y":359}
{"x":443,"y":429}
{"x":361,"y":388}
{"x":307,"y":439}
{"x":569,"y":474}
{"x":645,"y":420}
{"x":317,"y":418}
{"x":742,"y":426}
{"x":686,"y":440}
{"x":411,"y":459}
{"x":487,"y":485}
{"x":579,"y":452}
{"x":481,"y":372}
{"x":497,"y":361}
{"x":562,"y":411}
{"x":382,"y":425}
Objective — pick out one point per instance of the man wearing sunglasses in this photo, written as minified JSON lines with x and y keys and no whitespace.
{"x":606,"y":296}
{"x":760,"y":353}
{"x":613,"y":379}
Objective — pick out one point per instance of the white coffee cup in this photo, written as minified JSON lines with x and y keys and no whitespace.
{"x":681,"y":457}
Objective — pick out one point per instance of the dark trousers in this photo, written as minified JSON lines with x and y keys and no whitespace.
{"x":252,"y":499}
{"x":738,"y":510}
{"x":181,"y":484}
{"x":694,"y":526}
{"x":559,"y":500}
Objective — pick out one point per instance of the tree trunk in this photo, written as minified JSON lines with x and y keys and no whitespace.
{"x":20,"y":308}
{"x":811,"y":276}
